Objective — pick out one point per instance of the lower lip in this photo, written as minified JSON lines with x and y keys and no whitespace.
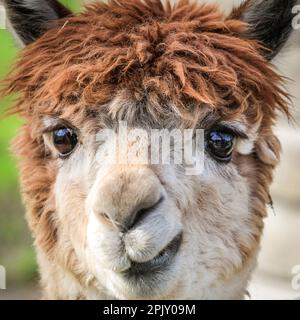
{"x":162,"y":261}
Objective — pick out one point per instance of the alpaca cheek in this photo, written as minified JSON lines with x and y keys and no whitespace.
{"x":70,"y":194}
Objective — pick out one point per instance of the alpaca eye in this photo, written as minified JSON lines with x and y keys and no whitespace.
{"x":64,"y":140}
{"x":219,"y":145}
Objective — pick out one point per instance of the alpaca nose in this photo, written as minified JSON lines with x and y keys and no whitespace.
{"x":136,"y":216}
{"x":127,"y":196}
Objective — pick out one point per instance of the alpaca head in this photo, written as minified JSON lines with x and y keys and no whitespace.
{"x":109,"y":229}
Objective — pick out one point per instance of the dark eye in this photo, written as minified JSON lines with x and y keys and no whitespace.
{"x":219,"y":144}
{"x":64,"y":140}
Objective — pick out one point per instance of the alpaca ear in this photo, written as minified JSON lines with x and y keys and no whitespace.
{"x":29,"y":19}
{"x":270,"y":22}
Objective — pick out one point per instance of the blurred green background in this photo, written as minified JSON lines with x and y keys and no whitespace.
{"x":16,"y":250}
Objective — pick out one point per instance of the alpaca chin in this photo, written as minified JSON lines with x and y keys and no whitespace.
{"x":154,"y":286}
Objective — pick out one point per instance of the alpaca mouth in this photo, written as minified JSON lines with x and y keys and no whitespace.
{"x":158,"y":264}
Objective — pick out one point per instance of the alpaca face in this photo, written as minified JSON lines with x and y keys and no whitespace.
{"x":108,"y":229}
{"x":151,"y":230}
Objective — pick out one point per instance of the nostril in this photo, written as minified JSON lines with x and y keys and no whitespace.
{"x":108,"y":220}
{"x":105,"y":217}
{"x":141,"y":214}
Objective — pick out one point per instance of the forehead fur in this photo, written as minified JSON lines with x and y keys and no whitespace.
{"x":187,"y":55}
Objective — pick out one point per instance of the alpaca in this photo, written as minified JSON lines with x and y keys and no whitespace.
{"x":107,"y":230}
